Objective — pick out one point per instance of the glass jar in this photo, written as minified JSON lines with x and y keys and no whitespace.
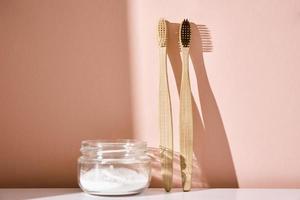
{"x":113,"y":167}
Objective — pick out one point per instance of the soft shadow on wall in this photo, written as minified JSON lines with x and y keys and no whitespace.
{"x":64,"y":77}
{"x":211,"y":147}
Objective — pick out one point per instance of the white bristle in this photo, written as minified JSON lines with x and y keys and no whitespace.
{"x":162,"y":33}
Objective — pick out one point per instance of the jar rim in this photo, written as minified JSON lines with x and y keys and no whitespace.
{"x":94,"y":144}
{"x":114,"y":141}
{"x":112,"y":150}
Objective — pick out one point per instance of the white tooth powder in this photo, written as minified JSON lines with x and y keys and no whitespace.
{"x":112,"y":180}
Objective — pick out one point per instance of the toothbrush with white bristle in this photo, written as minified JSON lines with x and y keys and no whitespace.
{"x":165,"y":114}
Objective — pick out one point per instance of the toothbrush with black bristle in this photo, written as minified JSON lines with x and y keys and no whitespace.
{"x":165,"y":114}
{"x":185,"y":112}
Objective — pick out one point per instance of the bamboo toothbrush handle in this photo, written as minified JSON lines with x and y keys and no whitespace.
{"x":186,"y":124}
{"x":165,"y":122}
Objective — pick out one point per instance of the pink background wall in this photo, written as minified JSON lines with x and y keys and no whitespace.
{"x":74,"y":70}
{"x":253,"y":73}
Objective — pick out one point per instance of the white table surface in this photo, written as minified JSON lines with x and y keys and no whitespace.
{"x":155,"y":194}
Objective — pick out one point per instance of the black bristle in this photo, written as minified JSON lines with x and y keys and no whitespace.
{"x":185,"y":33}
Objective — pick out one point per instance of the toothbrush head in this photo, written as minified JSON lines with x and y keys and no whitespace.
{"x":162,"y":33}
{"x":185,"y":33}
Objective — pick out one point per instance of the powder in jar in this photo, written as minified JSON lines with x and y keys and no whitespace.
{"x":112,"y":180}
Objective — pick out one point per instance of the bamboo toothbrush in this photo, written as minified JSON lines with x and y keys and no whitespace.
{"x":165,"y":114}
{"x":186,"y":115}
